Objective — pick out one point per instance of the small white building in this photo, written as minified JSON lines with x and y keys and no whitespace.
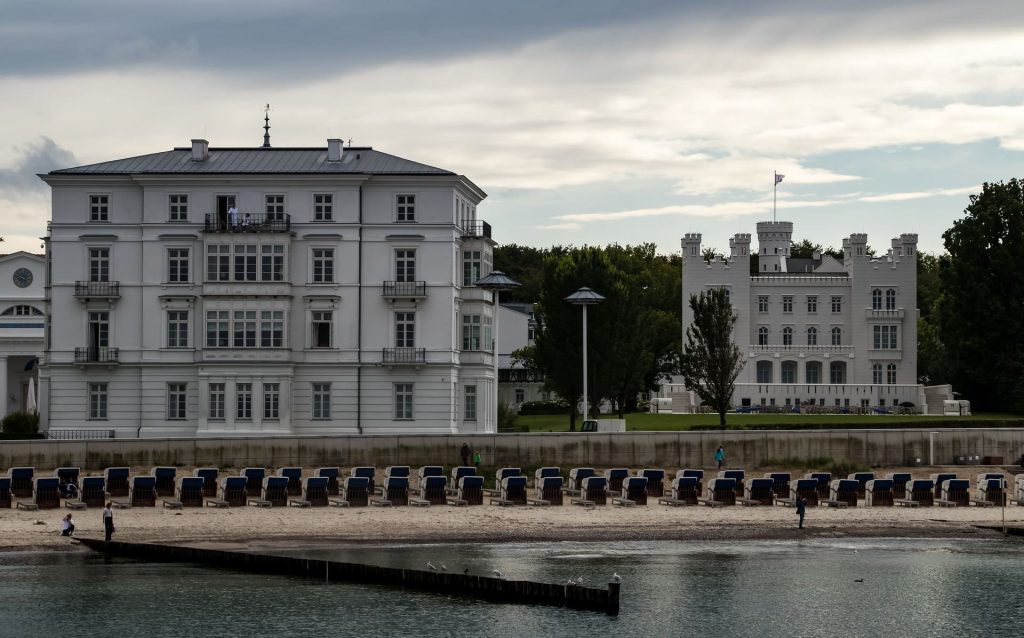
{"x":22,"y":326}
{"x":516,"y":384}
{"x":208,"y":292}
{"x":814,"y":331}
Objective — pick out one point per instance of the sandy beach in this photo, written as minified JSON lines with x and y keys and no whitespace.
{"x":254,"y":527}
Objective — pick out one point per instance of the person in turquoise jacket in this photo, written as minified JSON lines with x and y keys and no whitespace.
{"x":720,"y":456}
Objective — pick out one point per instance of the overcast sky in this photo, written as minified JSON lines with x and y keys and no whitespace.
{"x":586,"y":121}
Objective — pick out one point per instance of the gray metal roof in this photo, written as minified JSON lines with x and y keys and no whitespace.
{"x":259,"y":160}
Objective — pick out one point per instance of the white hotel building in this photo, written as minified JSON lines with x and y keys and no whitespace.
{"x":814,"y":331}
{"x":251,"y":291}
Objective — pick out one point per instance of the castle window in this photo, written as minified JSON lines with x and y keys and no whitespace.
{"x":890,"y":299}
{"x":762,"y":336}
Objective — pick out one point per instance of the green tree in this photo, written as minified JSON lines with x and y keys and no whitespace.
{"x":525,"y":265}
{"x":710,"y":361}
{"x":982,"y":291}
{"x":804,"y":249}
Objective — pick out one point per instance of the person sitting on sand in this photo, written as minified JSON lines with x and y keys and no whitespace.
{"x":67,"y":526}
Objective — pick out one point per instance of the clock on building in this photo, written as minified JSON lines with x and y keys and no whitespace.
{"x":23,"y":278}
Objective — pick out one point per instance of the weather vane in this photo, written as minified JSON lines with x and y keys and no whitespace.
{"x":266,"y":126}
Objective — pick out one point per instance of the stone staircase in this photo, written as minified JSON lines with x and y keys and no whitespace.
{"x":681,"y":403}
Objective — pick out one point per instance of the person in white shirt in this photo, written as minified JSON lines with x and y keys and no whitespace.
{"x":67,"y":526}
{"x":232,"y":216}
{"x":108,"y":521}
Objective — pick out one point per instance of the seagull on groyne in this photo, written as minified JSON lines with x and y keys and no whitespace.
{"x":466,"y":571}
{"x":579,"y":580}
{"x":498,"y":574}
{"x":431,"y":567}
{"x":444,"y":567}
{"x":616,"y":577}
{"x":571,"y":583}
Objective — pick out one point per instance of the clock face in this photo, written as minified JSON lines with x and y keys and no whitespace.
{"x":22,"y":278}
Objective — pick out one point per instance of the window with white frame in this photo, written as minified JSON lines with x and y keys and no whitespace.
{"x":272,"y":329}
{"x":271,"y":262}
{"x":837,"y":372}
{"x":812,"y":304}
{"x":472,"y":332}
{"x":243,"y":329}
{"x":403,"y":401}
{"x":22,"y":311}
{"x":405,"y":329}
{"x":323,"y":265}
{"x":837,"y":304}
{"x":787,"y":336}
{"x":812,"y":372}
{"x":245,"y":262}
{"x":177,"y":328}
{"x":405,"y":208}
{"x":470,"y":400}
{"x":99,"y":208}
{"x":99,"y":329}
{"x":274,"y":207}
{"x":218,"y":262}
{"x":837,"y":336}
{"x":471,"y":265}
{"x":323,"y":207}
{"x":405,"y":264}
{"x":322,"y":328}
{"x":890,"y":374}
{"x":812,"y":336}
{"x":98,"y":401}
{"x":217,"y":400}
{"x":520,"y":396}
{"x":764,"y":371}
{"x":789,"y":371}
{"x":177,"y":265}
{"x":176,"y":401}
{"x":99,"y":264}
{"x":177,"y":207}
{"x":884,"y":337}
{"x":876,"y":299}
{"x":762,"y":303}
{"x":321,"y":400}
{"x":272,"y":401}
{"x":890,"y":299}
{"x":762,"y":336}
{"x":243,"y":401}
{"x":876,"y":373}
{"x":218,"y":328}
{"x":787,"y":303}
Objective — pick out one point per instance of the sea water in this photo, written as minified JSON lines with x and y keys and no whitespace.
{"x":725,"y":588}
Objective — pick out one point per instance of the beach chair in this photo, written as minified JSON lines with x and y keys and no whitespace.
{"x":685,"y":491}
{"x":356,"y":492}
{"x":394,"y":491}
{"x":164,"y":480}
{"x":397,"y":471}
{"x":843,"y":493}
{"x":740,"y":476}
{"x":780,"y":483}
{"x":615,"y":477}
{"x":862,"y":479}
{"x":5,"y":492}
{"x":253,"y":480}
{"x":503,"y":473}
{"x":878,"y":493}
{"x":721,"y":492}
{"x":22,"y":481}
{"x":432,"y":490}
{"x":190,"y":491}
{"x":899,"y":483}
{"x":593,"y":491}
{"x":920,"y":493}
{"x":991,"y":491}
{"x":209,"y":476}
{"x":1019,"y":491}
{"x":760,"y":491}
{"x":68,"y":476}
{"x":469,"y":490}
{"x":366,"y":472}
{"x":634,"y":491}
{"x":698,"y":474}
{"x":824,"y":480}
{"x":274,"y":493}
{"x":332,"y":474}
{"x":937,"y":480}
{"x":806,"y":488}
{"x":46,"y":492}
{"x":955,"y":493}
{"x":314,"y":493}
{"x":576,"y":476}
{"x":545,"y":472}
{"x":233,"y":492}
{"x":655,"y":482}
{"x":294,"y":476}
{"x":548,"y":490}
{"x":142,"y":491}
{"x":117,"y":480}
{"x":429,"y":470}
{"x":512,"y":491}
{"x":460,"y":471}
{"x":93,"y":491}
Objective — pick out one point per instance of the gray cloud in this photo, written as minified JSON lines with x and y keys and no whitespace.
{"x":41,"y":155}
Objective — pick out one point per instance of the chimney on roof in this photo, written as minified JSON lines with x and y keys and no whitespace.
{"x":200,"y":150}
{"x":334,"y":150}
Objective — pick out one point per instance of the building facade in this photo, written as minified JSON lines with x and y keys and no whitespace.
{"x":516,"y":384}
{"x":22,"y":323}
{"x":243,"y":291}
{"x":815,"y":331}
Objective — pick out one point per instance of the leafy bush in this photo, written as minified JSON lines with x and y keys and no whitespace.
{"x":507,"y":419}
{"x":544,"y":407}
{"x":21,"y":423}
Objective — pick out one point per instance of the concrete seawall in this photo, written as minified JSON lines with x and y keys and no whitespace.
{"x":485,"y":587}
{"x":629,"y":449}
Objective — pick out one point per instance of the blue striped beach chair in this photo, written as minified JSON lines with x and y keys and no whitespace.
{"x":878,"y":493}
{"x":333,"y":474}
{"x":469,"y":490}
{"x":294,"y":476}
{"x":655,"y":482}
{"x":634,"y":491}
{"x":22,"y":481}
{"x":209,"y":476}
{"x":899,"y":483}
{"x":117,"y":481}
{"x":165,"y":482}
{"x":190,"y":491}
{"x":254,"y":480}
{"x":760,"y":491}
{"x":93,"y":491}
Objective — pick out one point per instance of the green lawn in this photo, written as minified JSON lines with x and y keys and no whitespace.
{"x":643,"y":421}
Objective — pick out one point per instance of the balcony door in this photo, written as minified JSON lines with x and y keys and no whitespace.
{"x":224,"y":202}
{"x":99,"y":333}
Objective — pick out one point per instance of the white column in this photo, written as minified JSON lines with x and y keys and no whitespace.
{"x":3,"y":387}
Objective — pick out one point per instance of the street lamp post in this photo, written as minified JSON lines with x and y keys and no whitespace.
{"x":496,"y":282}
{"x":585,"y":297}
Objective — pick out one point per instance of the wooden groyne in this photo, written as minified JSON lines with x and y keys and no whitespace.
{"x":483,"y":587}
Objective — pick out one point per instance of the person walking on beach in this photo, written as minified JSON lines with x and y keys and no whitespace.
{"x":67,"y":526}
{"x":801,"y":509}
{"x":476,"y":459}
{"x":464,"y":452}
{"x":108,"y":521}
{"x":720,"y":456}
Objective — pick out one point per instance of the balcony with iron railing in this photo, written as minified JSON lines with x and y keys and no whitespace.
{"x":404,"y":289}
{"x":97,"y":289}
{"x":405,"y":356}
{"x":519,"y":375}
{"x":249,"y":223}
{"x":476,"y":228}
{"x":102,"y":354}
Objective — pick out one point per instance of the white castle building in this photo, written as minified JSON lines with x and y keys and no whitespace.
{"x":815,"y":331}
{"x":22,"y":323}
{"x":240,"y":291}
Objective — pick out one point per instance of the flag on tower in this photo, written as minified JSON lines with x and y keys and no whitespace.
{"x":779,"y":177}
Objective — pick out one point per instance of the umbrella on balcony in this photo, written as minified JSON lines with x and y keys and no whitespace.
{"x":30,"y":402}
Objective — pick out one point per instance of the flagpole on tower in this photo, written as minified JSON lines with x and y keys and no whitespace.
{"x":775,"y":191}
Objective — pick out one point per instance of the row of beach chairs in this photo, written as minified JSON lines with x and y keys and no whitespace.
{"x":585,"y":486}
